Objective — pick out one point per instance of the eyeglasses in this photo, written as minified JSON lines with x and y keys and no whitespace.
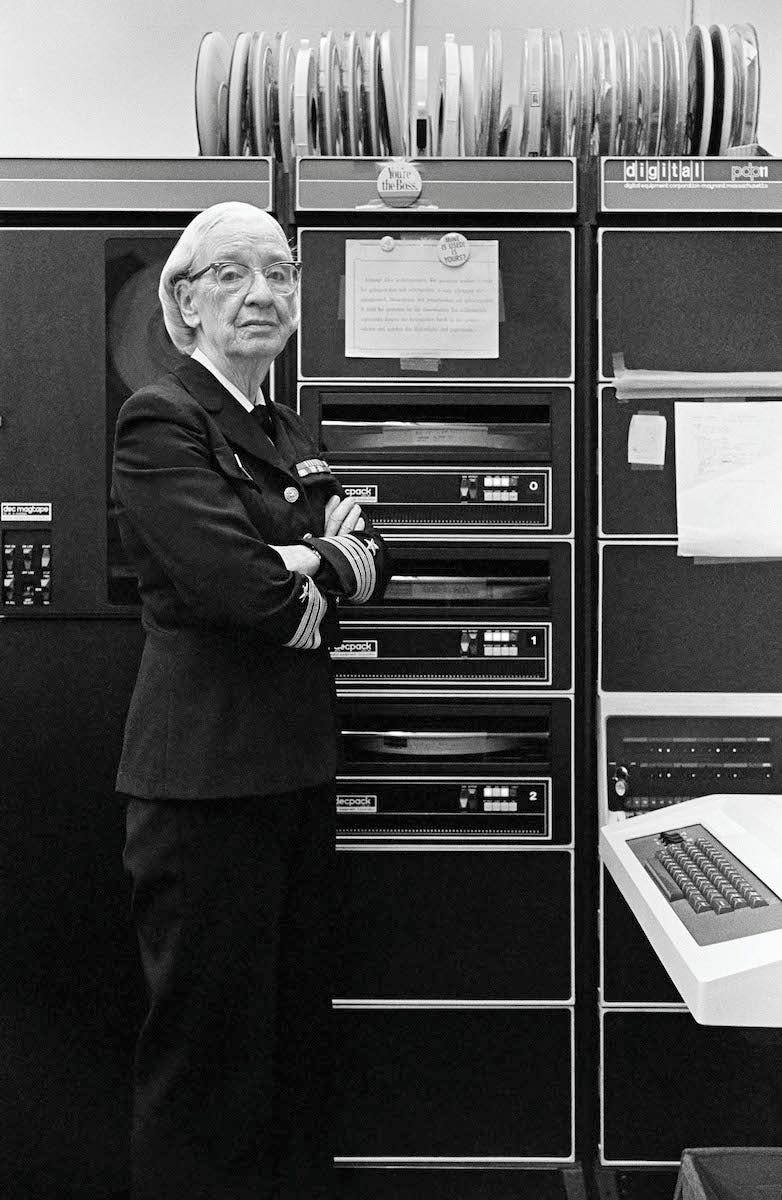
{"x":281,"y":277}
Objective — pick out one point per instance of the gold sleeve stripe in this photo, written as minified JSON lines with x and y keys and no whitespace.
{"x":361,"y":562}
{"x":307,"y":635}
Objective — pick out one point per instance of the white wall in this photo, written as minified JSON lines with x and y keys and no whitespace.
{"x":115,"y":77}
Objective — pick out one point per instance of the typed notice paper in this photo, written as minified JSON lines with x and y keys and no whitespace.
{"x":729,"y":478}
{"x":402,"y":301}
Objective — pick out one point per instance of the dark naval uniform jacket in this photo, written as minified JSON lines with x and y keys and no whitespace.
{"x":235,"y":692}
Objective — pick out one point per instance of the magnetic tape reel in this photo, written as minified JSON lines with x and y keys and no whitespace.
{"x":580,"y":113}
{"x":286,"y":76}
{"x":588,"y":99}
{"x":736,"y":44}
{"x":553,"y":93}
{"x":140,"y":349}
{"x":449,"y":100}
{"x":651,"y":65}
{"x":657,"y":90}
{"x":700,"y":101}
{"x":467,"y":77}
{"x":745,"y":49}
{"x":628,"y":76}
{"x":391,"y":120}
{"x":274,"y":102}
{"x":238,"y":106}
{"x":351,"y":77}
{"x":722,"y":119}
{"x":643,"y":46}
{"x":573,"y":92}
{"x":211,"y":94}
{"x":531,"y":94}
{"x":606,"y":103}
{"x":305,"y":101}
{"x":511,"y":131}
{"x":370,"y":123}
{"x":675,"y":109}
{"x":330,"y":139}
{"x":490,"y":90}
{"x":260,"y":72}
{"x":383,"y":127}
{"x":422,"y":141}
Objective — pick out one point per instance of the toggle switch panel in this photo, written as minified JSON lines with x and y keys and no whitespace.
{"x":27,"y":568}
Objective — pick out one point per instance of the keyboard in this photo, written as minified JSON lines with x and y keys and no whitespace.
{"x":704,"y":879}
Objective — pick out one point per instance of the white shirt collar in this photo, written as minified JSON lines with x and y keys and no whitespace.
{"x":199,"y":356}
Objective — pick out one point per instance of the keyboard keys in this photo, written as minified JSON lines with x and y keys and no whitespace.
{"x":702,"y":874}
{"x":696,"y":901}
{"x":670,"y":886}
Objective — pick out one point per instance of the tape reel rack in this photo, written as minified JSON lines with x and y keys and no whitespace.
{"x":648,"y":91}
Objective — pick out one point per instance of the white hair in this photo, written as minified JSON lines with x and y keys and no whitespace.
{"x":180,"y":261}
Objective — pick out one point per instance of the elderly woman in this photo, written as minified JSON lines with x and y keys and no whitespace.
{"x":242,"y":540}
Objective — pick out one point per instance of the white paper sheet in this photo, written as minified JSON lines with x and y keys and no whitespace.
{"x":729,"y":479}
{"x":405,"y":303}
{"x":646,"y":440}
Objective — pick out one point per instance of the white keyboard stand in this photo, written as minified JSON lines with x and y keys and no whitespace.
{"x":727,"y":965}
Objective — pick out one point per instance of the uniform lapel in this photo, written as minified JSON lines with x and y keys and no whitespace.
{"x":240,"y":427}
{"x":288,"y":452}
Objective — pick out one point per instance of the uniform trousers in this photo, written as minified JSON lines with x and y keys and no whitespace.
{"x":233,"y":907}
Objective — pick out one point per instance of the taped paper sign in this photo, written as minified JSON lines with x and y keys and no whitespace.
{"x":646,"y":440}
{"x":729,"y":479}
{"x":405,"y":303}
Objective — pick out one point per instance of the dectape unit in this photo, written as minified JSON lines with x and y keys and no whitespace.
{"x":439,"y":771}
{"x":458,"y":461}
{"x":496,"y":617}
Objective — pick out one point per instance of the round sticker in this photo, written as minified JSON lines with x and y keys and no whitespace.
{"x":291,"y":494}
{"x":453,"y":249}
{"x":399,"y":184}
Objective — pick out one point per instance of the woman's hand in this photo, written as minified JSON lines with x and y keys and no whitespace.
{"x":342,"y":516}
{"x":299,"y":558}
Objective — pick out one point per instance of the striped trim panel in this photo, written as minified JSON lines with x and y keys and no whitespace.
{"x":312,"y":466}
{"x":307,"y":635}
{"x":361,"y":562}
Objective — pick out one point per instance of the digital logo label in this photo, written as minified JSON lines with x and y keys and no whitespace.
{"x":747,"y":172}
{"x":664,"y":170}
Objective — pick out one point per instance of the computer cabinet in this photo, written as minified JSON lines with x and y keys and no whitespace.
{"x":456,"y":998}
{"x":688,"y":659}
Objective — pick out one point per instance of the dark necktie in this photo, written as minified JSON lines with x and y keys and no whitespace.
{"x":261,"y":414}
